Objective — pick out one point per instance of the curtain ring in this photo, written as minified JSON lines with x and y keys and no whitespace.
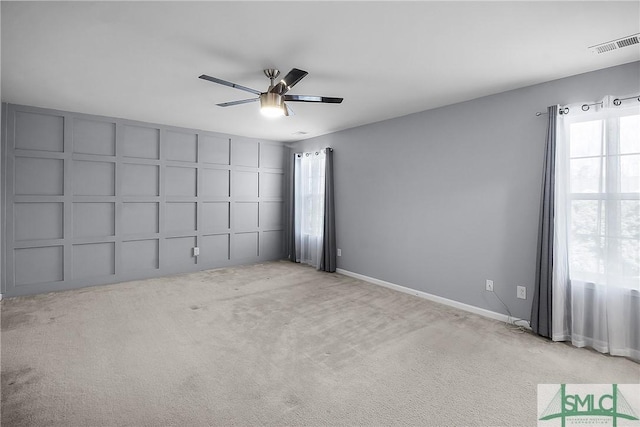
{"x":617,"y":102}
{"x":585,"y":107}
{"x":564,"y":110}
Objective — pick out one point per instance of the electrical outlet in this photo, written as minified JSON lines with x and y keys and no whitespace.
{"x":339,"y":252}
{"x":522,"y":292}
{"x":196,"y":251}
{"x":489,"y":285}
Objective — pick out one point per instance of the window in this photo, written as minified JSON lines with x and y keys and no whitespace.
{"x":309,"y":190}
{"x":313,"y":194}
{"x":604,"y":200}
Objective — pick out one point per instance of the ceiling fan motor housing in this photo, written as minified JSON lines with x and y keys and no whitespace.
{"x":270,"y":100}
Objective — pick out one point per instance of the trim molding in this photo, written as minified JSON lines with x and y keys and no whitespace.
{"x":452,"y":303}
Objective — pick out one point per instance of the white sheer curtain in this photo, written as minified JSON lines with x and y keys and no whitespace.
{"x":596,"y":276}
{"x":309,"y":206}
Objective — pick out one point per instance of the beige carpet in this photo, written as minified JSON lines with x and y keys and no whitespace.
{"x":273,"y":344}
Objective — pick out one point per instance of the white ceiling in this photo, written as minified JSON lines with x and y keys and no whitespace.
{"x":141,"y":60}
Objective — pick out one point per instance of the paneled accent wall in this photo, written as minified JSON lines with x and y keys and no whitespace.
{"x":93,"y":200}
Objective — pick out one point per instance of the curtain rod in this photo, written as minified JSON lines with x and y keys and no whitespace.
{"x":323,"y":150}
{"x":561,"y":111}
{"x":585,"y":107}
{"x":618,"y":101}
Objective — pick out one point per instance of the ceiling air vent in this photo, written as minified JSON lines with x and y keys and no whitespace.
{"x":628,"y":41}
{"x":616,"y":44}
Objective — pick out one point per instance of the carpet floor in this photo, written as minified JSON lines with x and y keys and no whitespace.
{"x":273,"y":344}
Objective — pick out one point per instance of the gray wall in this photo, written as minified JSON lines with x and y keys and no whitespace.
{"x":441,"y":200}
{"x":93,"y":200}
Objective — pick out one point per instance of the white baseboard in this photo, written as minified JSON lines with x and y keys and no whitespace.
{"x":452,"y":303}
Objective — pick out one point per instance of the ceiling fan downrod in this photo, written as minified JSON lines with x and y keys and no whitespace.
{"x":272,"y":74}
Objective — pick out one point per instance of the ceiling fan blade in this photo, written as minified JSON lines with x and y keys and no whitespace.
{"x":313,"y":98}
{"x":243,"y":101}
{"x":294,"y":76}
{"x":226,"y":83}
{"x":288,"y":111}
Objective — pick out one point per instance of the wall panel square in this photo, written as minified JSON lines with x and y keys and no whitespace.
{"x":180,"y":181}
{"x":246,"y":245}
{"x":93,"y":260}
{"x":141,"y":142}
{"x":246,"y":216}
{"x":245,"y":185}
{"x":180,"y":217}
{"x":140,"y":180}
{"x":271,"y":184}
{"x":213,"y":149}
{"x":139,"y":218}
{"x":94,"y":137}
{"x":271,"y":214}
{"x":244,"y":153}
{"x":93,"y":219}
{"x":271,"y":156}
{"x":42,"y":132}
{"x":38,"y":265}
{"x":271,"y":244}
{"x":178,"y":253}
{"x":93,"y":178}
{"x":33,"y":221}
{"x":180,"y":146}
{"x":215,"y":216}
{"x":214,"y":248}
{"x":39,"y":177}
{"x":215,"y":182}
{"x":140,"y":255}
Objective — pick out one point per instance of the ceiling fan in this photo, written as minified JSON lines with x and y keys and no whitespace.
{"x":272,"y":102}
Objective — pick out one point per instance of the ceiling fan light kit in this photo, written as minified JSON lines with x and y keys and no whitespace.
{"x":271,"y":105}
{"x":272,"y":101}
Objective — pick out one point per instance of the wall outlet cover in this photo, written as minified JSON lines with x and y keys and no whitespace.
{"x":489,"y":285}
{"x":522,"y":292}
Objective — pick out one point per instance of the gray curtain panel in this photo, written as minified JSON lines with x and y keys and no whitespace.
{"x":292,"y":209}
{"x":328,"y":258}
{"x":541,"y":310}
